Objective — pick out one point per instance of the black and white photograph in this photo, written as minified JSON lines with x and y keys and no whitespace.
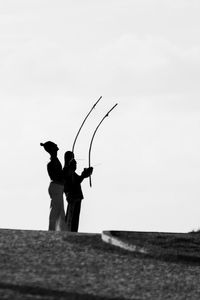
{"x":100,"y":149}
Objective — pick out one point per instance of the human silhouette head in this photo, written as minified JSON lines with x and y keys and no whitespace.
{"x":69,"y":159}
{"x":69,"y":155}
{"x":50,"y":147}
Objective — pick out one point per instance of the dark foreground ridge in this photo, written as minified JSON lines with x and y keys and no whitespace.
{"x":43,"y":293}
{"x":60,"y":265}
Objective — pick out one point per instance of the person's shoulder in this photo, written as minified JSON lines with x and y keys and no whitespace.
{"x":77,"y":177}
{"x":65,"y":170}
{"x":55,"y":161}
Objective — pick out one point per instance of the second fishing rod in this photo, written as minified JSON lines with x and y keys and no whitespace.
{"x":91,"y":142}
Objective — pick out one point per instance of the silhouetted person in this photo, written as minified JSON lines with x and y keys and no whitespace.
{"x":56,"y":188}
{"x":73,"y":191}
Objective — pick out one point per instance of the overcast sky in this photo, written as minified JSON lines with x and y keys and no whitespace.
{"x":56,"y":59}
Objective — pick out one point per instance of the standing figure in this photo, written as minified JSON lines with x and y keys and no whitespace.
{"x":73,"y":191}
{"x":56,"y":188}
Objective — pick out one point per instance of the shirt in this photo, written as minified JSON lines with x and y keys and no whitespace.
{"x":54,"y":169}
{"x":72,"y":187}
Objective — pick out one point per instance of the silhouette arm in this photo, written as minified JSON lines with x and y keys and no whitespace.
{"x":86,"y":173}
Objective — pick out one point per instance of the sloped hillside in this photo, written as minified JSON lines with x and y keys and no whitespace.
{"x":53,"y":265}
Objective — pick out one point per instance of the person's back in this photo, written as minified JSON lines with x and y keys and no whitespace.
{"x":54,"y":169}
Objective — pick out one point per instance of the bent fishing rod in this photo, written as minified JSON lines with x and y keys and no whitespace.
{"x":93,"y":107}
{"x":90,"y":148}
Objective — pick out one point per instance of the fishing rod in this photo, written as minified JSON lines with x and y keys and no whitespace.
{"x":90,"y":148}
{"x":84,"y":122}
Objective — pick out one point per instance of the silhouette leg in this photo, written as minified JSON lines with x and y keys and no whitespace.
{"x":56,"y":216}
{"x":76,"y":215}
{"x":69,"y":216}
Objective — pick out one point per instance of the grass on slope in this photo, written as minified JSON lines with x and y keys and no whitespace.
{"x":180,"y":245}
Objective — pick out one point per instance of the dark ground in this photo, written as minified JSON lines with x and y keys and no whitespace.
{"x":52,"y":265}
{"x":183,"y":247}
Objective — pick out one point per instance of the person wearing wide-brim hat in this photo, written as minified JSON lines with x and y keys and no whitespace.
{"x":56,"y":188}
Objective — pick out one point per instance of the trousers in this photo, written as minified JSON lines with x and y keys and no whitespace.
{"x":57,"y":212}
{"x":72,"y":216}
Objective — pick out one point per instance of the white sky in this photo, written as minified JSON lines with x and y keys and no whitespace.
{"x":56,"y":59}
